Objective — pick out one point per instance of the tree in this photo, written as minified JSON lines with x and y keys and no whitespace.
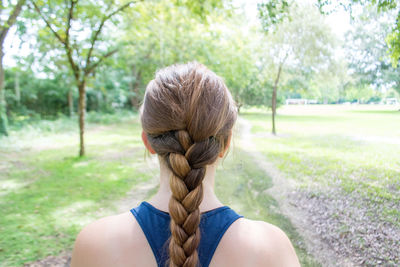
{"x":384,"y":6}
{"x":367,"y":51}
{"x":69,"y":20}
{"x":302,"y":41}
{"x":65,"y":19}
{"x":159,"y":34}
{"x":14,"y":11}
{"x":275,"y":11}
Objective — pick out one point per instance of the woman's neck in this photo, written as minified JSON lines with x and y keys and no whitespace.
{"x":161,"y":199}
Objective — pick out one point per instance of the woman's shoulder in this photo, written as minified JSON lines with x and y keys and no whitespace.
{"x":110,"y":241}
{"x":255,"y":243}
{"x":118,"y":240}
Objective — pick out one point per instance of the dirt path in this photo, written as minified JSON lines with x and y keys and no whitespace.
{"x":281,"y":191}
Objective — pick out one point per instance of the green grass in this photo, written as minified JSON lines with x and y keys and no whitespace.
{"x":48,"y":194}
{"x":23,"y":131}
{"x":62,"y":122}
{"x":355,"y":149}
{"x":241,"y":184}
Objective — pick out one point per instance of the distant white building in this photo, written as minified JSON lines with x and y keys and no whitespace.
{"x":300,"y":101}
{"x":390,"y":101}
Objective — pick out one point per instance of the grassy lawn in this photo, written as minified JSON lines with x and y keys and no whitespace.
{"x":241,"y":184}
{"x":356,"y":149}
{"x":345,"y":158}
{"x":48,"y":194}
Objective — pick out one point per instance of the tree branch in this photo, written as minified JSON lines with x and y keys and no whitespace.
{"x":66,"y":41}
{"x":11,"y":19}
{"x":98,"y":31}
{"x":70,"y":17}
{"x":89,"y":69}
{"x":48,"y":24}
{"x":68,"y":49}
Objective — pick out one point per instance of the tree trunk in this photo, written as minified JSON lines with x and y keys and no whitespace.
{"x":273,"y":107}
{"x":3,"y":115}
{"x":17,"y":88}
{"x":82,"y":113}
{"x":274,"y":95}
{"x":134,"y":87}
{"x":239,"y":105}
{"x":4,"y":27}
{"x":70,"y":102}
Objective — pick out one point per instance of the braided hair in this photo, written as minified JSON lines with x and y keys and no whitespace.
{"x":187,"y":115}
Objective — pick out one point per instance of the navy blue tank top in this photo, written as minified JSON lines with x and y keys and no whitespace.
{"x":155,"y":225}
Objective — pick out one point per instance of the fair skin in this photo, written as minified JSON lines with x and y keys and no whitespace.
{"x":119,"y":241}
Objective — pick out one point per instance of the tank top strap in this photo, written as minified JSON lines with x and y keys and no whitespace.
{"x":155,"y":226}
{"x":213,"y":225}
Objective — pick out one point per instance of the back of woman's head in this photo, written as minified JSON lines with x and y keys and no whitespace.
{"x":187,"y":115}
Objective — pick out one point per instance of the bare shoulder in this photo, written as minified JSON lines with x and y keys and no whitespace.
{"x":256,"y":243}
{"x":110,"y":241}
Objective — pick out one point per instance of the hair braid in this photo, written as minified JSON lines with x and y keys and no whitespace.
{"x":187,"y":163}
{"x":187,"y":114}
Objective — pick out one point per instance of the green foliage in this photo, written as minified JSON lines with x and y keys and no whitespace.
{"x":10,"y":11}
{"x":152,"y":34}
{"x":301,"y":48}
{"x":46,"y":97}
{"x":273,"y":12}
{"x":162,"y":35}
{"x":87,"y":16}
{"x":361,"y":94}
{"x":305,"y":41}
{"x":329,"y":85}
{"x":326,"y":78}
{"x":200,"y":8}
{"x":381,"y":5}
{"x":3,"y":121}
{"x":393,"y":42}
{"x":367,"y":51}
{"x":384,"y":6}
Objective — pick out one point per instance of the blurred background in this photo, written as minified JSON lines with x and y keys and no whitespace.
{"x":317,"y":142}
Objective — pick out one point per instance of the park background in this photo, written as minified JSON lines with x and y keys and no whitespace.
{"x":316,"y":145}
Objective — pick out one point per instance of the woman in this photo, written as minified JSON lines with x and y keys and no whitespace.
{"x":187,"y":119}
